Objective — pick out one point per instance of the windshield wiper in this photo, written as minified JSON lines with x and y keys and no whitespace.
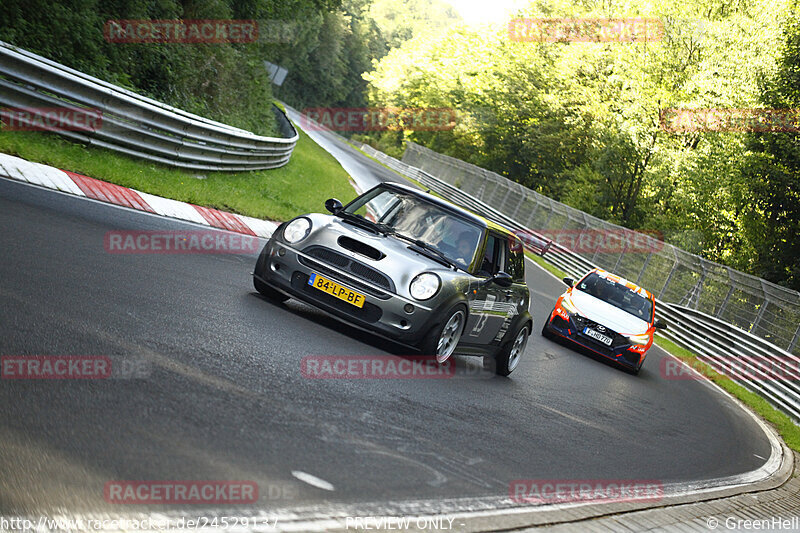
{"x":428,"y":250}
{"x":358,"y":220}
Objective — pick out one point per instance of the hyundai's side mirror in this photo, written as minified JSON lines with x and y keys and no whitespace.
{"x":333,"y":205}
{"x":503,"y":279}
{"x":569,"y":281}
{"x":660,"y":324}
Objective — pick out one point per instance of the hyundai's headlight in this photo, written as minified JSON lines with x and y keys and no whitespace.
{"x":644,"y":338}
{"x":424,"y":286}
{"x":297,"y":230}
{"x":568,"y":306}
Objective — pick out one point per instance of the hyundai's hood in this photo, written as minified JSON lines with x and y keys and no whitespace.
{"x":606,"y":314}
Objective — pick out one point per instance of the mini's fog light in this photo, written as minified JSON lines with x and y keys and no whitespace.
{"x":408,"y":308}
{"x":281,"y":252}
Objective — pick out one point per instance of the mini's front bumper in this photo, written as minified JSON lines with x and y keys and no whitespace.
{"x":618,"y":352}
{"x":384,"y":312}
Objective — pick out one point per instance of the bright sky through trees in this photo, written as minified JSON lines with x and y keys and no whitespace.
{"x":476,"y":12}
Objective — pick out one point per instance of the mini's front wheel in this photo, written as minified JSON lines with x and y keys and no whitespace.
{"x":443,"y":338}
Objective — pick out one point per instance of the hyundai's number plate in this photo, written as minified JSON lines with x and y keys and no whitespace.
{"x":605,"y":339}
{"x":334,"y":289}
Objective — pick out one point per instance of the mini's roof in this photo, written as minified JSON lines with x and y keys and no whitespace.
{"x":478,"y":219}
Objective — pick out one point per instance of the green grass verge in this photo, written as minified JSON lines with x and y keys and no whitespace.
{"x":545,"y":265}
{"x":779,"y":420}
{"x":311,"y":176}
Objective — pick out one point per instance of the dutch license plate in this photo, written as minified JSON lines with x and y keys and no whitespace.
{"x":334,"y":289}
{"x":605,"y":339}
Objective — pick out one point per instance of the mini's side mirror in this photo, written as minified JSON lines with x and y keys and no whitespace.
{"x":569,"y":281}
{"x":333,"y":205}
{"x":503,"y":279}
{"x":660,"y":324}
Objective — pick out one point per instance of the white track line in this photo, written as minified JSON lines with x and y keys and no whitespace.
{"x":314,"y":481}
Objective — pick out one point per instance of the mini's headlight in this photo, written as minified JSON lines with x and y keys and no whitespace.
{"x":424,"y":286}
{"x":568,"y":306}
{"x":297,"y":230}
{"x":644,"y":338}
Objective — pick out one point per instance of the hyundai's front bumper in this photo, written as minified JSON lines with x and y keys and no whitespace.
{"x":619,"y":350}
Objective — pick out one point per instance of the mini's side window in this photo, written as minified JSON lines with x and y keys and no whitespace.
{"x":516,"y":259}
{"x":494,"y":256}
{"x":488,"y":257}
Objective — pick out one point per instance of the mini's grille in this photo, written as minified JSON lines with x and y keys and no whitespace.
{"x":347,"y":264}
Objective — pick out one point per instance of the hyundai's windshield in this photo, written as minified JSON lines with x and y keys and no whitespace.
{"x":455,"y":237}
{"x":617,"y":295}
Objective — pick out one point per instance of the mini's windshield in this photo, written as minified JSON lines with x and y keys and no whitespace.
{"x":617,"y":295}
{"x":455,"y":237}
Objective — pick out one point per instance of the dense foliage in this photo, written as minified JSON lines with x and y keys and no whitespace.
{"x":771,"y":172}
{"x":326,"y":46}
{"x":580,"y":122}
{"x":333,"y":49}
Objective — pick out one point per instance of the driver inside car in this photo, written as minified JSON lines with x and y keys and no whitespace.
{"x":465,"y":248}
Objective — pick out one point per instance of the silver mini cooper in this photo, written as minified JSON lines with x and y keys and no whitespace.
{"x":408,"y":266}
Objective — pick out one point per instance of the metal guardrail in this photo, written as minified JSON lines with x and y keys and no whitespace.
{"x":136,"y":125}
{"x":750,"y":361}
{"x":715,"y":341}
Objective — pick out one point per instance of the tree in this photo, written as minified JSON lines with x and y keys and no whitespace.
{"x":772,"y":173}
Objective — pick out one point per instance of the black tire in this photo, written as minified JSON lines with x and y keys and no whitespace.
{"x":268,"y":292}
{"x":546,"y":332}
{"x":509,"y":355}
{"x":429,"y":345}
{"x":635,"y":370}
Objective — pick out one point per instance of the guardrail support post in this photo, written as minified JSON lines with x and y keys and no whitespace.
{"x":669,"y":278}
{"x":533,"y":212}
{"x":621,"y":255}
{"x":503,"y":202}
{"x":794,"y":340}
{"x":699,"y":290}
{"x":759,"y":316}
{"x":549,"y":216}
{"x":522,"y":197}
{"x":725,"y":302}
{"x":644,"y":267}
